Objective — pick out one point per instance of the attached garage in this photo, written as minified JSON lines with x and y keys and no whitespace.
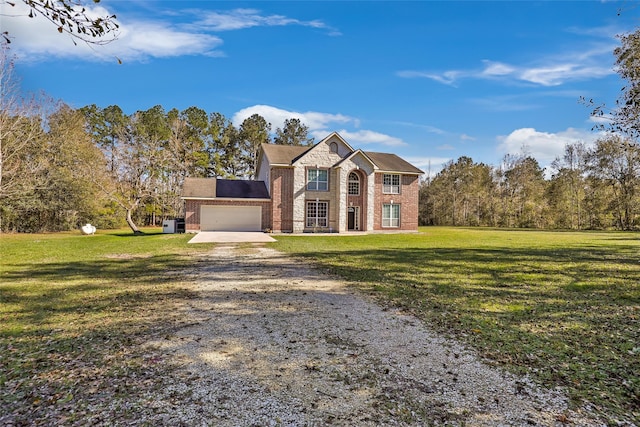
{"x":226,"y":205}
{"x":230,"y":218}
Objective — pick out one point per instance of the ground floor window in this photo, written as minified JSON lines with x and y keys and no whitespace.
{"x":317,"y":214}
{"x":391,"y":215}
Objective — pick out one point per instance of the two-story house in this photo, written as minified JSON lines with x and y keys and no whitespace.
{"x":327,"y":187}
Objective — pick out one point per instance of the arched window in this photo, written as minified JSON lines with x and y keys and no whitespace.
{"x":333,"y":147}
{"x":354,"y":184}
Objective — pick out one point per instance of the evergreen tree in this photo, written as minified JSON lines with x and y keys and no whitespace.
{"x":294,"y":132}
{"x":254,"y":131}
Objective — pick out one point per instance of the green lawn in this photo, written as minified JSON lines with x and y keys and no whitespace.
{"x":73,"y":311}
{"x":562,"y":306}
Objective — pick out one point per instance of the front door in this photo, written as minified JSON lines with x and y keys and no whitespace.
{"x":353,"y":220}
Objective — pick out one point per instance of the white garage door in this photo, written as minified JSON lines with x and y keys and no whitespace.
{"x":230,"y":218}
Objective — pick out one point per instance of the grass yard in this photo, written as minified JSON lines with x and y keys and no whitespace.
{"x":561,"y":306}
{"x":73,"y":310}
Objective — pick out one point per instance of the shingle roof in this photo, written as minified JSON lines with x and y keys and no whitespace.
{"x":210,"y":188}
{"x":283,"y":154}
{"x":287,"y":154}
{"x":241,"y":189}
{"x":392,"y":163}
{"x":199,"y":187}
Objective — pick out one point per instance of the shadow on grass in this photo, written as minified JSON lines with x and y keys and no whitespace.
{"x":571,"y":316}
{"x":133,"y":266}
{"x":70,"y":333}
{"x":624,"y":237}
{"x":143,"y":234}
{"x":85,"y":288}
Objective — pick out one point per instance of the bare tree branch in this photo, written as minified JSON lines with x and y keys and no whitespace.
{"x":72,"y":18}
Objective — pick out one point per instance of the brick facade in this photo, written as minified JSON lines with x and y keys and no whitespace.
{"x":282,"y":199}
{"x":192,"y":210}
{"x":284,"y":171}
{"x":283,"y":196}
{"x":407,"y":199}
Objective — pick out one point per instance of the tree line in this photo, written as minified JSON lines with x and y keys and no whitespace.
{"x":62,"y":167}
{"x":589,"y":188}
{"x":149,"y":153}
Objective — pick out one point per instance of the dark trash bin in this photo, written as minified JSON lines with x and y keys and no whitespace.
{"x":180,"y":225}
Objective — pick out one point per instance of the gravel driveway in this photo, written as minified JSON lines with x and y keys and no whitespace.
{"x":272,"y":342}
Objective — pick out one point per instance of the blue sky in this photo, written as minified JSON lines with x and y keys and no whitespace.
{"x":430,"y":81}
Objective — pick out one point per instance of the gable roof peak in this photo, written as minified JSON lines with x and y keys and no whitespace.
{"x":336,"y":135}
{"x":333,"y":135}
{"x":355,"y":153}
{"x":287,"y":155}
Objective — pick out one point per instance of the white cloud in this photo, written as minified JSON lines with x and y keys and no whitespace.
{"x":543,"y":146}
{"x":239,"y":19}
{"x":497,"y":69}
{"x":236,"y":20}
{"x":320,"y":124}
{"x":371,"y":137}
{"x":276,"y":116}
{"x":551,"y":74}
{"x":35,"y":39}
{"x":586,"y":64}
{"x":557,"y":74}
{"x":594,"y":62}
{"x":154,"y":40}
{"x":447,"y":78}
{"x":601,"y":120}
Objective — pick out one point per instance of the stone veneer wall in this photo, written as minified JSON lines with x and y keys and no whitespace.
{"x":322,"y":157}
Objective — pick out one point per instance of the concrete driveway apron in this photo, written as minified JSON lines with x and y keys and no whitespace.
{"x":231,"y":237}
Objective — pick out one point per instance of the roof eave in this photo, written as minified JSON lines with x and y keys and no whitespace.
{"x":197,"y":198}
{"x":240,"y":199}
{"x":400,"y":172}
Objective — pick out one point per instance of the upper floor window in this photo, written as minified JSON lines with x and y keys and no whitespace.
{"x":391,"y":183}
{"x":333,"y":147}
{"x":354,"y":184}
{"x":317,"y":179}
